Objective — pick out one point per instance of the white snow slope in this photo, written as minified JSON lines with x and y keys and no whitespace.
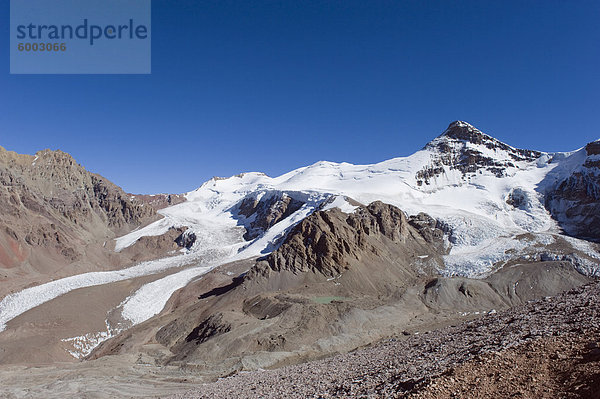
{"x":484,"y":227}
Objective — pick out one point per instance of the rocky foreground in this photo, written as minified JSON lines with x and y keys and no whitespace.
{"x":548,"y":348}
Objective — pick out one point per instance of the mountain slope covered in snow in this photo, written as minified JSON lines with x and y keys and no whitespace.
{"x":495,"y":206}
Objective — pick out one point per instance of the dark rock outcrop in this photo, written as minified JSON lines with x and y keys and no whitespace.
{"x":593,"y":148}
{"x":263,"y":210}
{"x":430,"y":229}
{"x":209,"y":328}
{"x":186,"y":239}
{"x":575,"y":201}
{"x":460,"y":148}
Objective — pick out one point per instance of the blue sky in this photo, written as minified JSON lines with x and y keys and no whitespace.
{"x":274,"y":85}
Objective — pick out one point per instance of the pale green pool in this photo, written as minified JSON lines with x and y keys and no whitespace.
{"x":328,"y":299}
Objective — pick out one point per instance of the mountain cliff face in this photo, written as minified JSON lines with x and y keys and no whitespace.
{"x":54,"y":212}
{"x":574,"y":200}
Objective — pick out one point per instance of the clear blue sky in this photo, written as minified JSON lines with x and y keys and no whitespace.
{"x":274,"y":85}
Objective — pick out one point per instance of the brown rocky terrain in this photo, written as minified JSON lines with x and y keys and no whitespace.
{"x":160,"y":201}
{"x":58,"y":219}
{"x":544,"y":348}
{"x":547,"y":348}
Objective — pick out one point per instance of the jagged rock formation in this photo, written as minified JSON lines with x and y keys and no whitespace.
{"x":264,"y":209}
{"x":460,"y":148}
{"x":575,"y":200}
{"x":327,"y":242}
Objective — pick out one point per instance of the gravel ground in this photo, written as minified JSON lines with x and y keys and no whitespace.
{"x":566,"y":366}
{"x":422,"y":364}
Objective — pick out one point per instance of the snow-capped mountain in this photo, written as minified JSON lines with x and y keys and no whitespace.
{"x":490,"y":196}
{"x":481,"y":188}
{"x":495,"y":204}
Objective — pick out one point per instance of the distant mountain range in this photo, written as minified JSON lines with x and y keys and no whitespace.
{"x":256,"y":271}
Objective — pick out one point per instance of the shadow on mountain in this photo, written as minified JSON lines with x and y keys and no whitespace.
{"x":236,"y":281}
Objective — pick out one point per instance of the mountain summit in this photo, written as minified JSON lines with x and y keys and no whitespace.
{"x":464,"y":148}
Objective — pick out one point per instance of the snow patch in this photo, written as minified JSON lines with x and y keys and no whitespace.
{"x":340,"y":202}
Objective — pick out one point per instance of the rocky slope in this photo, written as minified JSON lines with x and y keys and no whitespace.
{"x":57,"y":219}
{"x":547,"y":348}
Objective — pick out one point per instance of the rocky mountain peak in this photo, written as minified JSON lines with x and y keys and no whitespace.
{"x":11,"y":157}
{"x":461,"y":130}
{"x":593,"y":148}
{"x":465,"y":148}
{"x":55,"y":158}
{"x":465,"y":133}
